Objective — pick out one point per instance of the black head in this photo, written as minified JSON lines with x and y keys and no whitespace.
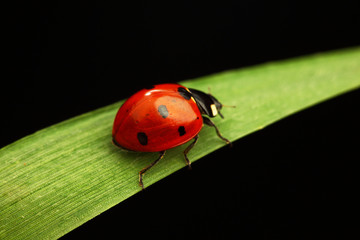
{"x":207,"y":104}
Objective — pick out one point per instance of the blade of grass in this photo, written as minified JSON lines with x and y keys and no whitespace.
{"x":62,"y":176}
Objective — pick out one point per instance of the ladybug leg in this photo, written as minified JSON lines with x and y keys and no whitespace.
{"x":188,"y":149}
{"x":142,"y":172}
{"x":210,"y":123}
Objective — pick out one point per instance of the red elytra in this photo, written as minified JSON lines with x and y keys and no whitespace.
{"x":157,"y":119}
{"x":163,"y":117}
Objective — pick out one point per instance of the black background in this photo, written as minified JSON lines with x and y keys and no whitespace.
{"x":294,"y":179}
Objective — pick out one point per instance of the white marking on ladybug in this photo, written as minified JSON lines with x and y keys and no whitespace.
{"x":213,"y":109}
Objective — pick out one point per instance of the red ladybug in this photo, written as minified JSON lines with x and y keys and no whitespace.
{"x":162,"y":117}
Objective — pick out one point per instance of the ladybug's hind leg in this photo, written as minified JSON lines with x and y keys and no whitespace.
{"x":188,"y":149}
{"x":142,"y":172}
{"x":210,"y":123}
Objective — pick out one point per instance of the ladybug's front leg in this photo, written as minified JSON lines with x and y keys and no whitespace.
{"x":142,"y":172}
{"x":210,"y":123}
{"x":188,"y":149}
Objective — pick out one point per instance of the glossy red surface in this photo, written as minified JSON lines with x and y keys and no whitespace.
{"x":179,"y":122}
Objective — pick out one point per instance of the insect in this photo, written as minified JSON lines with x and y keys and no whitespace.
{"x":162,"y":117}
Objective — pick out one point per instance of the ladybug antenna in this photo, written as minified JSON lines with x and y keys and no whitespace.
{"x":209,"y":90}
{"x":222,"y":105}
{"x":230,"y":106}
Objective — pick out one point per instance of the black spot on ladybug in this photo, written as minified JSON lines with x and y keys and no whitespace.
{"x":149,"y":87}
{"x":163,"y":111}
{"x":197,"y":118}
{"x":184,"y":93}
{"x":181,"y":130}
{"x":142,"y":137}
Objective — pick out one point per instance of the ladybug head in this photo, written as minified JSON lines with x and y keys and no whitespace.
{"x":207,"y":103}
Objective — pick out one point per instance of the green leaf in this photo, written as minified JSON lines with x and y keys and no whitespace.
{"x":58,"y":178}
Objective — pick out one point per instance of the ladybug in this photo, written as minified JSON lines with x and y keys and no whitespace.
{"x":162,"y":117}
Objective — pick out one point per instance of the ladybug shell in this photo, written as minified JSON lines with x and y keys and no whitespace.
{"x":157,"y":119}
